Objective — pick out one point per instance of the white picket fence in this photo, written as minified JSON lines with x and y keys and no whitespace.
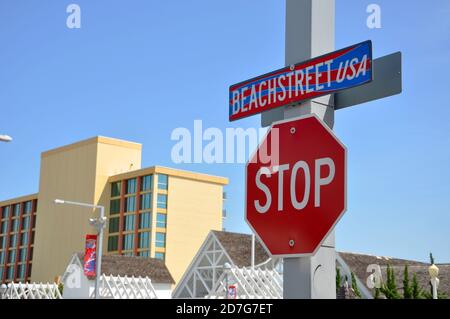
{"x":111,"y":287}
{"x":31,"y":291}
{"x":116,"y":287}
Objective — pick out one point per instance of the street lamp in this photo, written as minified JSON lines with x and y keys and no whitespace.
{"x":226,"y":269}
{"x":98,"y":224}
{"x":5,"y":138}
{"x":433,"y":270}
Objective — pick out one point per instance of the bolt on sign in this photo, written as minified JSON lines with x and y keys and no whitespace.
{"x":340,"y":70}
{"x":294,"y":200}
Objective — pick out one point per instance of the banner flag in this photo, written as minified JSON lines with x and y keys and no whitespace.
{"x":90,"y":255}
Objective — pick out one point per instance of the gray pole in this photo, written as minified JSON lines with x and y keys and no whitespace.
{"x":310,"y":33}
{"x":99,"y":224}
{"x":253,"y":251}
{"x":226,"y":268}
{"x":226,"y":289}
{"x":99,"y":252}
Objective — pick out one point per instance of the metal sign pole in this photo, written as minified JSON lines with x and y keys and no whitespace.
{"x":309,"y":33}
{"x":253,"y":251}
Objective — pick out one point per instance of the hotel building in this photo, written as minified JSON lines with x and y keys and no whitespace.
{"x":153,"y":212}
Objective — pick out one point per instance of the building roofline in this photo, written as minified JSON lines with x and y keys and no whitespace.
{"x":94,"y":140}
{"x":19,"y":199}
{"x":111,"y":266}
{"x":172,"y":172}
{"x":385,"y":258}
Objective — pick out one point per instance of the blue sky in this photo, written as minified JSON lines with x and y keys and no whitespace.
{"x":138,"y":69}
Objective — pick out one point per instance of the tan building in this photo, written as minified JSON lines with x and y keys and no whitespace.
{"x":17,"y":229}
{"x":152,"y":212}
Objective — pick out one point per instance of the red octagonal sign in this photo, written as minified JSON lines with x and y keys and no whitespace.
{"x":296,"y":186}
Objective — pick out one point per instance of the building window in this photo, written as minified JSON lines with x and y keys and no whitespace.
{"x":24,"y":239}
{"x":115,"y":189}
{"x":10,"y":273}
{"x":146,"y":183}
{"x":1,"y":272}
{"x":21,"y":271}
{"x":161,"y":220}
{"x":13,"y":240}
{"x":144,"y":240}
{"x":113,"y":243}
{"x":2,"y":242}
{"x":160,"y":240}
{"x":130,"y":204}
{"x":131,"y":186}
{"x":162,"y":201}
{"x":114,"y":225}
{"x":15,"y":225}
{"x":146,"y":201}
{"x":114,"y":207}
{"x":162,"y":181}
{"x":144,"y":253}
{"x":128,"y":242}
{"x":27,"y":207}
{"x":16,"y":211}
{"x":26,"y":222}
{"x":4,"y":228}
{"x":23,"y":255}
{"x":145,"y":220}
{"x":5,"y":212}
{"x":161,"y":256}
{"x":128,"y":222}
{"x":2,"y":260}
{"x":12,"y":256}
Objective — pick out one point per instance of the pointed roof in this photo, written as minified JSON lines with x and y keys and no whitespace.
{"x":239,"y":248}
{"x":119,"y":265}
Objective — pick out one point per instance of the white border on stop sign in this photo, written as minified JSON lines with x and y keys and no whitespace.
{"x":345,"y":186}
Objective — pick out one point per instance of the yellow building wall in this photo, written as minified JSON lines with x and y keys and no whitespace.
{"x":194,"y":208}
{"x":78,"y":172}
{"x":113,"y":160}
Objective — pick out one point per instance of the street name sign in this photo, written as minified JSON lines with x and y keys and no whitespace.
{"x":296,"y":194}
{"x":387,"y":81}
{"x":333,"y":72}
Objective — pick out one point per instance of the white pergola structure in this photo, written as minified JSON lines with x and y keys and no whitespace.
{"x":31,"y":291}
{"x":123,"y":277}
{"x":207,"y":277}
{"x":250,"y":283}
{"x":117,"y":287}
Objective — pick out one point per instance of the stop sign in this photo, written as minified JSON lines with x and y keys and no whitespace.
{"x":296,"y":186}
